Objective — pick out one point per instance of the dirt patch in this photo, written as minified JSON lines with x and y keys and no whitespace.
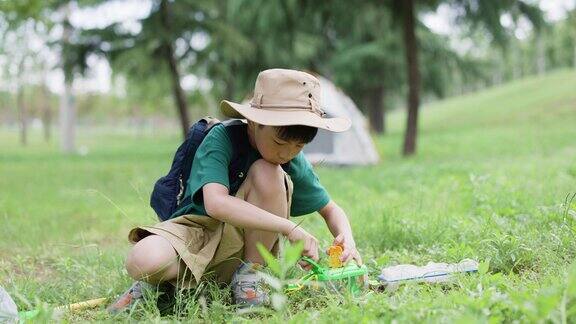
{"x":15,"y":267}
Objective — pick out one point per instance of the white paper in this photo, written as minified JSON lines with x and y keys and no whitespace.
{"x":8,"y":309}
{"x":432,"y":272}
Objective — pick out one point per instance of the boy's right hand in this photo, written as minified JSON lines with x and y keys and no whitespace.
{"x":310,"y":245}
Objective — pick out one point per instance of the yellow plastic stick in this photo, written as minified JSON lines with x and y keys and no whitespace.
{"x":334,"y":254}
{"x":29,"y":315}
{"x":83,"y":305}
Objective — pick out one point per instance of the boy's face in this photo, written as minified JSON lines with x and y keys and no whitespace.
{"x":272,"y":148}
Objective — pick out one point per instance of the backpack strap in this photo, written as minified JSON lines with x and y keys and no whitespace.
{"x":196,"y":135}
{"x":237,"y":170}
{"x":237,"y":132}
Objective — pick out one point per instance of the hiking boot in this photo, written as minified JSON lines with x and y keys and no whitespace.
{"x":136,"y":294}
{"x":248,"y":287}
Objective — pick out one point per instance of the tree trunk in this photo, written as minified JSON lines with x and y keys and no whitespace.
{"x":411,"y":52}
{"x":516,"y":60}
{"x":46,"y":113}
{"x":67,"y":119}
{"x":22,"y":115}
{"x":573,"y":19}
{"x":575,"y":53}
{"x":375,"y":97}
{"x":67,"y":114}
{"x":178,"y":92}
{"x":20,"y":105}
{"x":540,"y":53}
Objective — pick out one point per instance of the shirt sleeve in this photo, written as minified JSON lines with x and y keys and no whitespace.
{"x":309,"y":195}
{"x":210,"y":165}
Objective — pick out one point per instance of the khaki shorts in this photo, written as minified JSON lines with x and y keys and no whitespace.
{"x":205,"y":245}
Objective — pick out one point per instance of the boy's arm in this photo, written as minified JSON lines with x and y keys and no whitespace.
{"x":239,"y":213}
{"x":339,"y":226}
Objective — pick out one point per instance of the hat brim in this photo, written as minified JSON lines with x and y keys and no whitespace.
{"x":283,"y":118}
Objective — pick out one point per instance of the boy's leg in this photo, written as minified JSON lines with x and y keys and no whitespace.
{"x":154,"y":260}
{"x":151,"y":261}
{"x":264,"y":188}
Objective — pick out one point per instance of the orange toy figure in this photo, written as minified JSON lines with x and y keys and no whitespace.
{"x":334,"y":253}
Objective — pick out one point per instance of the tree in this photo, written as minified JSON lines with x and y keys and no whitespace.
{"x":167,"y":49}
{"x":20,"y":104}
{"x":364,"y":61}
{"x":477,"y":13}
{"x":573,"y":19}
{"x":67,"y":108}
{"x":413,"y":73}
{"x":23,"y":64}
{"x":248,"y":36}
{"x":350,"y":49}
{"x":35,"y":13}
{"x":165,"y":36}
{"x":368,"y":70}
{"x":46,"y":110}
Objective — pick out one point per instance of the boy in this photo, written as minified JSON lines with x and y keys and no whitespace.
{"x":218,"y":231}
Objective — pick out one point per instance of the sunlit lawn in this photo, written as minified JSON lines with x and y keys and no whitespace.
{"x":489,"y":182}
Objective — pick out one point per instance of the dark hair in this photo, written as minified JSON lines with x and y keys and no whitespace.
{"x":298,"y":133}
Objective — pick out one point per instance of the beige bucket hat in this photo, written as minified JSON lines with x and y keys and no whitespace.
{"x":285,"y":97}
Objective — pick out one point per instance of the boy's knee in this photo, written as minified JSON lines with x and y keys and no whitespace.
{"x":265,"y":175}
{"x":149,"y":257}
{"x":267,"y":178}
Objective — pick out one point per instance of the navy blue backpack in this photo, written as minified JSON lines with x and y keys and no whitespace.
{"x":169,"y":191}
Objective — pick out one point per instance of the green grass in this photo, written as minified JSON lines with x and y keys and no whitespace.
{"x":489,"y":182}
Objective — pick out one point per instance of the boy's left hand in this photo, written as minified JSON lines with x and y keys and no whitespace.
{"x":349,"y":249}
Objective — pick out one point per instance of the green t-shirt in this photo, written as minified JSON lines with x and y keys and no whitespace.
{"x":211,"y":166}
